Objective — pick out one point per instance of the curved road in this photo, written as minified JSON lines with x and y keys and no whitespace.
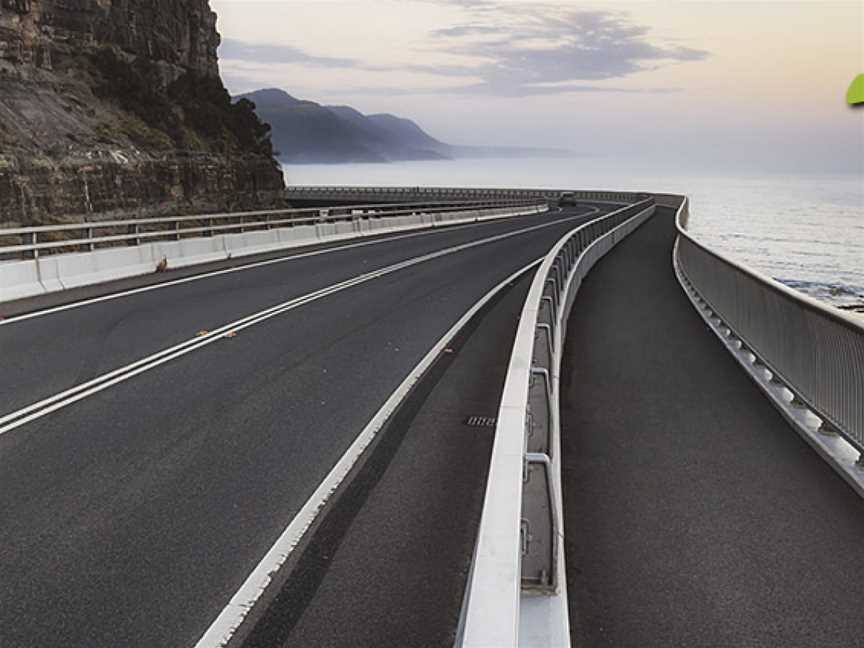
{"x":132,"y":511}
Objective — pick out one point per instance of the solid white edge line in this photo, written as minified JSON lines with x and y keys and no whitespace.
{"x":24,"y":415}
{"x":223,"y":628}
{"x":249,"y":266}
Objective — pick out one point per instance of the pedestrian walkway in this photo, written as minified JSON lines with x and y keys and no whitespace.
{"x":694,"y":514}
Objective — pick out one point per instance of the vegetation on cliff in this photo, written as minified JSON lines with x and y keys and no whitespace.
{"x":195,"y":112}
{"x":114,"y":109}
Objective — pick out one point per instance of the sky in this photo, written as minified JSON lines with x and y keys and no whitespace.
{"x":746,"y":86}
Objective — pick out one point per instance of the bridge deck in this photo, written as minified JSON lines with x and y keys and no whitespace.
{"x":393,"y":563}
{"x":694,"y":515}
{"x":131,"y":516}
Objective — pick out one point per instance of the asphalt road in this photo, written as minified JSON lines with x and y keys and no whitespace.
{"x":130,"y":517}
{"x":694,"y":515}
{"x":45,"y":355}
{"x":390,"y":565}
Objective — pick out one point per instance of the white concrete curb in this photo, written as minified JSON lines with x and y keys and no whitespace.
{"x":496,"y":612}
{"x":52,"y":273}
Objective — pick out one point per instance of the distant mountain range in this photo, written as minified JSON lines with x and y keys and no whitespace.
{"x":307,"y":132}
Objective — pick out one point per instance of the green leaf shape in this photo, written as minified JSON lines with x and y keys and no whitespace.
{"x":855,"y":94}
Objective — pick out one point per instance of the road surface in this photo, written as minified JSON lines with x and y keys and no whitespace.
{"x":133,"y":509}
{"x":694,"y":514}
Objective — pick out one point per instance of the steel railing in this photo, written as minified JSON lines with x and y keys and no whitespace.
{"x":30,"y":242}
{"x":312,"y":192}
{"x":519,"y":547}
{"x":812,"y":349}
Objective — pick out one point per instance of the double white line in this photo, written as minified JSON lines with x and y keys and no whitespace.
{"x":74,"y":394}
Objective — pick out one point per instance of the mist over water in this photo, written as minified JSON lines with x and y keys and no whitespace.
{"x":804,"y":230}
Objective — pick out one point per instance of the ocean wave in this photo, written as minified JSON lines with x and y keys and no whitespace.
{"x":840,"y":295}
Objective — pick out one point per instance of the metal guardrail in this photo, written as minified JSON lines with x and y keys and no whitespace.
{"x":31,"y":241}
{"x":312,"y":192}
{"x":813,"y":350}
{"x":134,"y":231}
{"x":519,"y":547}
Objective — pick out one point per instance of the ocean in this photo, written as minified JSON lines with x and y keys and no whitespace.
{"x":806,"y":231}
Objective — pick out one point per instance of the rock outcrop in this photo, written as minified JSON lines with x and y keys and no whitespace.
{"x":114,"y":107}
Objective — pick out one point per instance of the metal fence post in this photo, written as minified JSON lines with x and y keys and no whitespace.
{"x":135,"y":229}
{"x":31,"y":239}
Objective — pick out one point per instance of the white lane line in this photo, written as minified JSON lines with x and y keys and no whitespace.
{"x":53,"y":403}
{"x":223,"y":628}
{"x":216,"y":273}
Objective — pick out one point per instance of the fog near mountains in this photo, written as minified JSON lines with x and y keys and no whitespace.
{"x":306,"y":132}
{"x":708,"y":85}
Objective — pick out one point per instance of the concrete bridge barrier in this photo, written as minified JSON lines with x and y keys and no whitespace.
{"x":517,"y":590}
{"x":143,"y":252}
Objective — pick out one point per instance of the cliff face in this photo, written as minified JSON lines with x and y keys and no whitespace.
{"x":116,"y":106}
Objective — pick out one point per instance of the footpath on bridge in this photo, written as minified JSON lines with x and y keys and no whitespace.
{"x":694,"y":515}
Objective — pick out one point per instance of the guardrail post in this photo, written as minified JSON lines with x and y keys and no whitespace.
{"x":828,"y":429}
{"x":177,"y":230}
{"x":89,"y":246}
{"x":135,"y":229}
{"x":31,"y":239}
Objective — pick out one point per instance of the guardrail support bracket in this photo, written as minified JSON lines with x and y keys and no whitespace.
{"x":538,"y":526}
{"x":828,"y":429}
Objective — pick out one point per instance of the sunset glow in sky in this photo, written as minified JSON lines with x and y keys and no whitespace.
{"x":753,"y":86}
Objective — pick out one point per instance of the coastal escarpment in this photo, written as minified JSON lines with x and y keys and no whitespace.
{"x":114,"y":107}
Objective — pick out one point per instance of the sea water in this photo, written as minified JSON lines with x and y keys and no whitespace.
{"x":806,"y":231}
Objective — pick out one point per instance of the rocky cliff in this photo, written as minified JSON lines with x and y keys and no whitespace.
{"x":114,"y":107}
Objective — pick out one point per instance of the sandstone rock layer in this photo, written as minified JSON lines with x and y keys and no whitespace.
{"x":115,"y":107}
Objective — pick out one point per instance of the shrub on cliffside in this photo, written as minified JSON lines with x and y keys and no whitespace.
{"x":134,"y":88}
{"x":208,"y":111}
{"x":194,"y":111}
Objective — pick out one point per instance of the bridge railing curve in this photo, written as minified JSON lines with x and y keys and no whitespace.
{"x":299,"y":192}
{"x":811,"y":349}
{"x":519,"y":549}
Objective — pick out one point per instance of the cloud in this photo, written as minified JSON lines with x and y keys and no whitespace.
{"x":548,"y":48}
{"x":507,"y":49}
{"x":475,"y":89}
{"x":468,"y":30}
{"x":236,"y":50}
